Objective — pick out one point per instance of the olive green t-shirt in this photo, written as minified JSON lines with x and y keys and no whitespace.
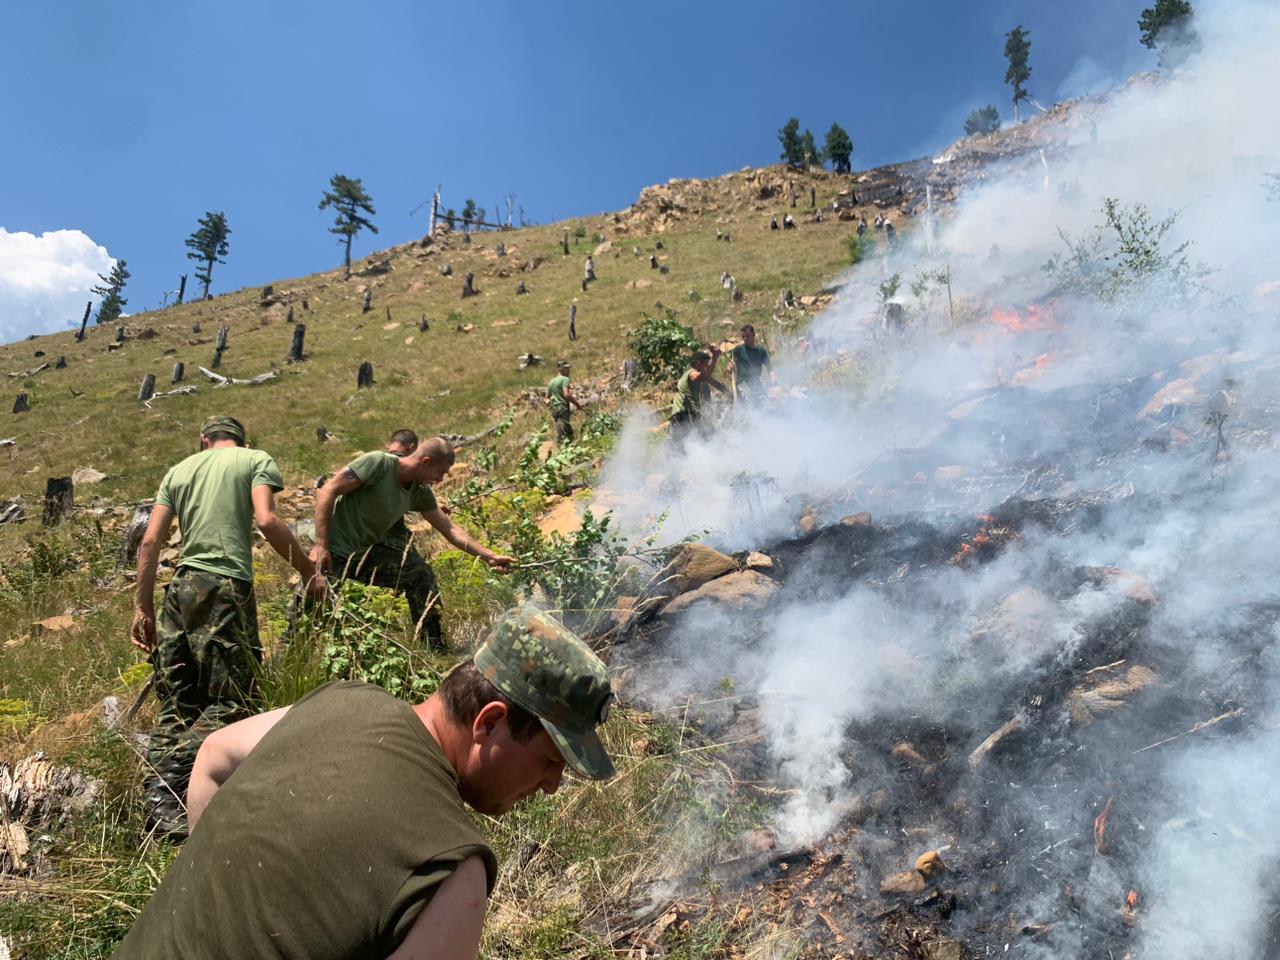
{"x":690,"y":395}
{"x":749,"y":363}
{"x":362,"y":517}
{"x":210,"y":493}
{"x":325,"y":844}
{"x":555,"y":394}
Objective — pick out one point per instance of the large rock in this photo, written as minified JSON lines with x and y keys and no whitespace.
{"x":745,"y":590}
{"x":693,"y":565}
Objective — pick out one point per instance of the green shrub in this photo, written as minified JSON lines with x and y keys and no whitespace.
{"x":860,"y":247}
{"x":663,"y":347}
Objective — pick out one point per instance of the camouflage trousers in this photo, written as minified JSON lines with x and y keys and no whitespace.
{"x":205,"y":659}
{"x":401,"y":568}
{"x":564,"y":426}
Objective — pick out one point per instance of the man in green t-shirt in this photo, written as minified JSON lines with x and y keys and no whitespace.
{"x":747,"y":362}
{"x":356,"y":509}
{"x":336,"y":827}
{"x":205,"y":643}
{"x":559,"y":399}
{"x":693,"y":391}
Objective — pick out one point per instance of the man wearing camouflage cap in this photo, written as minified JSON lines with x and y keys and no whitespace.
{"x":336,"y":827}
{"x":559,"y":399}
{"x":204,"y":646}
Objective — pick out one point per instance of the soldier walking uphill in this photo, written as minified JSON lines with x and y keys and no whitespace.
{"x":357,"y":508}
{"x":693,"y":391}
{"x":204,"y":644}
{"x":747,"y":361}
{"x":559,"y":399}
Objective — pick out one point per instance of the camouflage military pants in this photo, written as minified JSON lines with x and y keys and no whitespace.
{"x":398,"y":568}
{"x":564,"y":426}
{"x":204,"y":658}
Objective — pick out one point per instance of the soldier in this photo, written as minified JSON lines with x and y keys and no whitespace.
{"x":692,"y":391}
{"x":559,"y":399}
{"x":357,"y":508}
{"x":371,"y":852}
{"x":205,"y":644}
{"x":747,"y":361}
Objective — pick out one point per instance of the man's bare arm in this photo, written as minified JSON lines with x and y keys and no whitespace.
{"x":449,"y":926}
{"x":282,"y":540}
{"x":465,"y":542}
{"x":326,"y":498}
{"x":143,"y":630}
{"x":219,"y":756}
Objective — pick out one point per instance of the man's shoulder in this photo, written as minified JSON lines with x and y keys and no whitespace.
{"x":371,"y":466}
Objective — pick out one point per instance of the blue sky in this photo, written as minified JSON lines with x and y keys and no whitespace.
{"x":125,"y":122}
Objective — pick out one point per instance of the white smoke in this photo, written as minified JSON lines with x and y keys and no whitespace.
{"x":881,"y":413}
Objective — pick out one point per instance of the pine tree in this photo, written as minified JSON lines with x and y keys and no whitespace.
{"x":1166,"y":28}
{"x":208,"y":245}
{"x":347,"y":197}
{"x":809,"y":152}
{"x":112,"y":286}
{"x":470,"y":213}
{"x":1017,"y":50}
{"x":838,"y":148}
{"x":792,"y":147}
{"x":983,"y":120}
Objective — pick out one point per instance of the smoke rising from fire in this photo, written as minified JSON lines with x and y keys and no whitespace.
{"x":1161,"y":412}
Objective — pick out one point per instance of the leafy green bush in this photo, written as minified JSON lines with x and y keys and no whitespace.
{"x":860,"y":247}
{"x":663,"y":347}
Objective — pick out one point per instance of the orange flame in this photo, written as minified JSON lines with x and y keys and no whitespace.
{"x":1100,"y":827}
{"x":1034,"y":317}
{"x":1132,"y":899}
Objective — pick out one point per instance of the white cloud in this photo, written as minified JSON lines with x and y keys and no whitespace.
{"x":45,"y":280}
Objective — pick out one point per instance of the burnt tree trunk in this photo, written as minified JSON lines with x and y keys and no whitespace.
{"x":364,"y":378}
{"x":220,"y":343}
{"x":120,"y":334}
{"x":217,"y":358}
{"x":289,"y":317}
{"x":295,"y":350}
{"x":564,"y":241}
{"x":501,"y":249}
{"x":132,"y":538}
{"x":59,"y":498}
{"x":84,"y":321}
{"x":61,"y":364}
{"x":178,"y":370}
{"x":20,"y":404}
{"x":148,"y":388}
{"x":367,"y":304}
{"x":182,"y":287}
{"x":424,"y":324}
{"x":573,"y":321}
{"x":468,"y":286}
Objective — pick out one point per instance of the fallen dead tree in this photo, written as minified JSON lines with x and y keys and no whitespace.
{"x":222,"y":381}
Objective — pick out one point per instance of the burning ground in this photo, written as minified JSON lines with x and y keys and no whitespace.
{"x":986,"y":613}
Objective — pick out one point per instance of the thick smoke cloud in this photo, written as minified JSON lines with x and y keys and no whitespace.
{"x":946,"y":421}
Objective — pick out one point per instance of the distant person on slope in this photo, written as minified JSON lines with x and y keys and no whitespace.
{"x":357,"y":508}
{"x":204,"y":646}
{"x":559,"y":399}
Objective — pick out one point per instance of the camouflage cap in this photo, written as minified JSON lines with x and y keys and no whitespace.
{"x":545,"y":668}
{"x":223,"y":425}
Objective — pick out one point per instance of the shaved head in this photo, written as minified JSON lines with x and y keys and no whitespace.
{"x":437,"y":450}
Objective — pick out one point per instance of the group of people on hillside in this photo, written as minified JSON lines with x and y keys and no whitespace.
{"x":336,"y":826}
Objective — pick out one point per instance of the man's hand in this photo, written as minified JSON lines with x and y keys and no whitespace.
{"x":500,"y":562}
{"x":318,"y":587}
{"x":143,"y":632}
{"x":320,"y":557}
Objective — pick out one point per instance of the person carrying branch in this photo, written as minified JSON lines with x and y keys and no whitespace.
{"x":559,"y":399}
{"x":337,"y":827}
{"x":204,"y":645}
{"x":693,"y":391}
{"x":356,"y":508}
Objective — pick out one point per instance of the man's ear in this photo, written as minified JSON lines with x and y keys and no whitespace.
{"x":487,"y":720}
{"x":204,"y":443}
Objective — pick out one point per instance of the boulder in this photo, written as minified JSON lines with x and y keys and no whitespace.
{"x":745,"y":590}
{"x":85,"y":475}
{"x":693,"y":565}
{"x":759,"y":561}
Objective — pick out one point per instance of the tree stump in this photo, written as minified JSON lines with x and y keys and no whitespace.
{"x":131,"y":540}
{"x":179,"y":369}
{"x":521,"y":289}
{"x":664,"y":269}
{"x":306,"y":306}
{"x":573,"y":321}
{"x":813,"y":196}
{"x":653,"y":262}
{"x":501,"y":249}
{"x":468,"y":286}
{"x":148,"y":388}
{"x":295,"y":350}
{"x":267,"y":291}
{"x":736,"y":294}
{"x":182,"y":287}
{"x":564,"y":241}
{"x":220,"y":343}
{"x":195,"y":327}
{"x":20,"y":405}
{"x":364,"y":378}
{"x":84,"y":321}
{"x":367,"y":304}
{"x":424,"y":324}
{"x":61,"y":364}
{"x":217,"y":358}
{"x":289,"y":316}
{"x":388,"y":314}
{"x":120,"y":334}
{"x":659,"y":245}
{"x":59,"y":498}
{"x":446,"y":270}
